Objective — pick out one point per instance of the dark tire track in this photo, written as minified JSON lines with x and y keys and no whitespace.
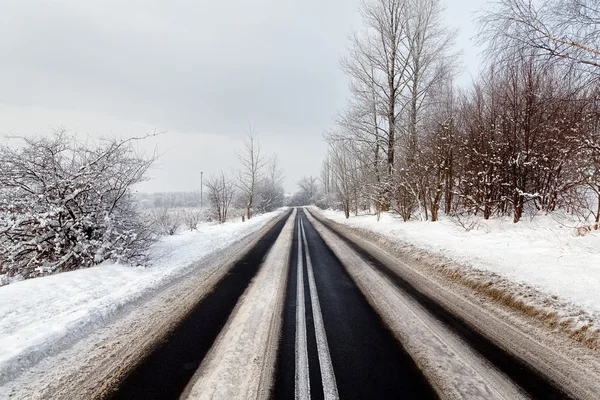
{"x":367,"y":360}
{"x":284,"y":381}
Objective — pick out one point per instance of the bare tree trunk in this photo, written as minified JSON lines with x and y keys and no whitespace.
{"x":598,"y":210}
{"x":249,"y":207}
{"x":448,"y":183}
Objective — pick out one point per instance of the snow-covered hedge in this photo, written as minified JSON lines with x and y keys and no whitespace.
{"x":66,"y":205}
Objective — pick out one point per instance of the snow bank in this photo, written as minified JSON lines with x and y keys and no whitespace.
{"x":542,"y":253}
{"x":39,"y":315}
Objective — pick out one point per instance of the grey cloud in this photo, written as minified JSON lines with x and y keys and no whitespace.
{"x":209,"y":67}
{"x":190,"y":65}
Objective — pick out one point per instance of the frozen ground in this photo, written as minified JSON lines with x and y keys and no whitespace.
{"x":37,"y":314}
{"x":540,"y":260}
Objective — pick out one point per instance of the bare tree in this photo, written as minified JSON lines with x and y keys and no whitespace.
{"x":564,"y":30}
{"x":220,"y":192}
{"x":326,"y":175}
{"x":345,"y":170}
{"x":165,"y":222}
{"x":191,"y":218}
{"x":430,"y":63}
{"x":438,"y":153}
{"x":67,"y":205}
{"x":328,"y":182}
{"x":585,"y":197}
{"x":248,"y":175}
{"x":377,"y":65}
{"x":270,"y":192}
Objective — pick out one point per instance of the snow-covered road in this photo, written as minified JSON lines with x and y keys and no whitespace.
{"x":301,"y":307}
{"x":40,"y":317}
{"x":464,"y":350}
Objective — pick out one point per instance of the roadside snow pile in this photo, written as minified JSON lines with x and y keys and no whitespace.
{"x":540,"y":263}
{"x":39,"y":316}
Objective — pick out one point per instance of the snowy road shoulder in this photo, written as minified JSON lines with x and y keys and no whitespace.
{"x":41,"y":316}
{"x":249,"y":341}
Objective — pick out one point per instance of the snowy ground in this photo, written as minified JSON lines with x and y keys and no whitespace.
{"x":540,"y":260}
{"x":37,"y":314}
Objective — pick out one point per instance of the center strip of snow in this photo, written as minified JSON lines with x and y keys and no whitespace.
{"x":241,"y":362}
{"x":327,"y":374}
{"x":302,"y":380}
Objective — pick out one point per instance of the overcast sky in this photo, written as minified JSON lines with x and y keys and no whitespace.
{"x":201,"y":71}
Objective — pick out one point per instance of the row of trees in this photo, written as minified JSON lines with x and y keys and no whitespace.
{"x":524,"y":135}
{"x":170,"y":200}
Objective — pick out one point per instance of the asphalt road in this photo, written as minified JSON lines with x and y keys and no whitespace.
{"x":331,"y":341}
{"x":368,"y":362}
{"x":527,"y":377}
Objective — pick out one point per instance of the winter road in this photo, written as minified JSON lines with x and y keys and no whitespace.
{"x":311,"y":312}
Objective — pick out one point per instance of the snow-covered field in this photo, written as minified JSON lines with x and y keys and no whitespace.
{"x":37,"y":314}
{"x":539,"y":256}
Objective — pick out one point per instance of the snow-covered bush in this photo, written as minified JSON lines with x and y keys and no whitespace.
{"x":164,"y":222}
{"x":192,"y":218}
{"x":66,"y":205}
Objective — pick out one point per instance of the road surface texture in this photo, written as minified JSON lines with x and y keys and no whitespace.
{"x":333,"y":342}
{"x":307,"y":310}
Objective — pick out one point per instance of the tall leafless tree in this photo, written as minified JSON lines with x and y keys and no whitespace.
{"x":567,"y":31}
{"x":220,"y":192}
{"x":253,"y":162}
{"x":377,"y":65}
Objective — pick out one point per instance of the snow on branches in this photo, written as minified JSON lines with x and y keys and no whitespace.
{"x":66,"y":205}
